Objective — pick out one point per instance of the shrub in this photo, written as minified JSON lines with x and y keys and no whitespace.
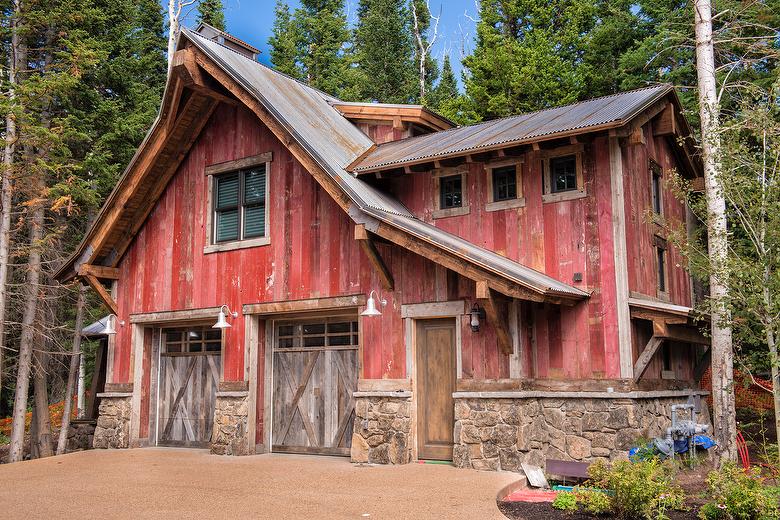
{"x":565,"y":501}
{"x":737,"y":495}
{"x":634,"y":490}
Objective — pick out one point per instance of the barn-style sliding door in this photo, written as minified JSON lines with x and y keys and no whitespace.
{"x":315,"y":372}
{"x":190,"y":366}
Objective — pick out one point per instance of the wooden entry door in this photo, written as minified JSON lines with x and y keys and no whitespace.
{"x":315,"y":372}
{"x":190,"y":366}
{"x":436,"y":373}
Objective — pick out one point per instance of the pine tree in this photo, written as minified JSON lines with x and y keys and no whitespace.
{"x":212,"y":12}
{"x":527,"y":55}
{"x":323,"y":37}
{"x":384,"y":52}
{"x":446,"y":89}
{"x":285,"y":42}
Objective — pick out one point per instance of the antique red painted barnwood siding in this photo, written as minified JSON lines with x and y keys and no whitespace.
{"x":312,"y":254}
{"x":557,"y":238}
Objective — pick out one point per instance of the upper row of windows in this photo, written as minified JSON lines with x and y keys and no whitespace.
{"x":560,"y":172}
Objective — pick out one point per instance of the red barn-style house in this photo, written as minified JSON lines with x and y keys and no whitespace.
{"x":388,"y":286}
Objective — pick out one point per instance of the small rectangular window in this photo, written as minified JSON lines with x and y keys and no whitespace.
{"x":193,"y":340}
{"x":563,"y":173}
{"x":661,"y":256}
{"x":451,"y":192}
{"x":656,"y":180}
{"x":239,"y":205}
{"x":504,"y":183}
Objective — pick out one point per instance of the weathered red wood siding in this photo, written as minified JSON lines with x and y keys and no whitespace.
{"x":558,"y":238}
{"x":312,"y":254}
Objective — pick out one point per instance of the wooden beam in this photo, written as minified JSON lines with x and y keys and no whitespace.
{"x":666,"y":122}
{"x":637,"y":136}
{"x":99,"y":271}
{"x":495,"y":315}
{"x":681,"y":333}
{"x":314,"y":304}
{"x":103,"y":293}
{"x":646,"y":356}
{"x":369,"y":248}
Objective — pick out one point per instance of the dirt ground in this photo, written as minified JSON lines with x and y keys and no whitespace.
{"x":169,"y":483}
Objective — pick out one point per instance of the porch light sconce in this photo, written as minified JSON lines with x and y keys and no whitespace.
{"x":110,"y":328}
{"x":371,"y":309}
{"x":222,"y":318}
{"x":477,"y":313}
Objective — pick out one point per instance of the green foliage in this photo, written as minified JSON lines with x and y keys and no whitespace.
{"x":594,"y":501}
{"x":4,"y":439}
{"x":313,"y":45}
{"x":737,"y":495}
{"x":212,"y":12}
{"x":384,"y":52}
{"x":634,"y":490}
{"x":565,"y":501}
{"x":446,"y":89}
{"x":284,"y":42}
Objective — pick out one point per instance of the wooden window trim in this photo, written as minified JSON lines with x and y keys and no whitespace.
{"x":660,"y":244}
{"x":576,"y":150}
{"x":653,"y":168}
{"x":224,"y":168}
{"x":519,"y":200}
{"x":464,"y":209}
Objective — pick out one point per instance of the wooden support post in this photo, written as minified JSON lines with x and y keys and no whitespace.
{"x":102,"y":292}
{"x":681,"y":333}
{"x":496,"y":316}
{"x":369,"y":248}
{"x":646,"y":356}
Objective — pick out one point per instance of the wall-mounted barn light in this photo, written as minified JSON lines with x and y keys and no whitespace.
{"x":371,"y":309}
{"x":110,"y":328}
{"x":477,"y":313}
{"x":222,"y":318}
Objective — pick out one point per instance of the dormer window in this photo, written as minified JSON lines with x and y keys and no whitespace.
{"x":237,"y":204}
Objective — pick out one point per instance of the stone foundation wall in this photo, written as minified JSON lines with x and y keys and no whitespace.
{"x":382,"y":429}
{"x":81,"y":435}
{"x":229,"y":435}
{"x":500,"y":434}
{"x":113,"y":423}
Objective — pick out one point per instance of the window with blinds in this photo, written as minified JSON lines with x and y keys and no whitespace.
{"x":239,"y":205}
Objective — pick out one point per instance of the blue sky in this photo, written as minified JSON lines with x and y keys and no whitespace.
{"x":251,"y":20}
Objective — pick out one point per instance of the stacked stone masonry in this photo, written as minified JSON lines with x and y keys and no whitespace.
{"x":229,"y":435}
{"x":500,"y":434}
{"x":382,"y":430}
{"x":113,"y":424}
{"x":81,"y":435}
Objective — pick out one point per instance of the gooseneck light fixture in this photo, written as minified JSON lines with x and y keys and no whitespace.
{"x":110,"y":328}
{"x":371,"y":308}
{"x":222,"y":323}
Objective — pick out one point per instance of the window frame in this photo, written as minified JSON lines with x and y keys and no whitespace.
{"x":548,"y":195}
{"x":519,"y":199}
{"x":661,"y":262}
{"x":240,"y":167}
{"x":464,"y":208}
{"x":656,"y":198}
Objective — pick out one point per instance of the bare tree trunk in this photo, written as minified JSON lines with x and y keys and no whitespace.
{"x":724,"y":413}
{"x":40,"y":443}
{"x":73,"y":372}
{"x":27,"y":340}
{"x":6,"y":193}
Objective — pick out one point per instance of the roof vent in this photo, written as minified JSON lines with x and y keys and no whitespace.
{"x":228,"y":40}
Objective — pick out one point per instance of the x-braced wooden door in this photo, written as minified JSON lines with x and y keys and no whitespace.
{"x":190,"y":365}
{"x":315,"y":372}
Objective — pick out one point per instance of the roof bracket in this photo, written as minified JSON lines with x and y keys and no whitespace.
{"x":646,"y":356}
{"x":496,"y":315}
{"x":102,"y":292}
{"x":369,"y":248}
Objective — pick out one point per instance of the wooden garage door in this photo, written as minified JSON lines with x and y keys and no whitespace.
{"x":190,"y":363}
{"x":315,"y":366}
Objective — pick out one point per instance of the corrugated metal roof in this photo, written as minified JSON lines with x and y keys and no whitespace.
{"x":608,"y":111}
{"x":334,"y":142}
